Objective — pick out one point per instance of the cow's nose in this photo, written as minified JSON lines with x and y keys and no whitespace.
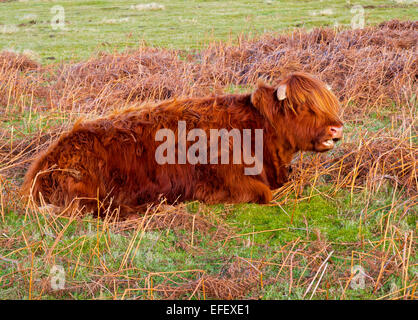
{"x":336,"y":132}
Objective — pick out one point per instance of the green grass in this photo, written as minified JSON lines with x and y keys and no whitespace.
{"x":88,"y":253}
{"x":307,"y":217}
{"x":92,"y":26}
{"x":27,"y":123}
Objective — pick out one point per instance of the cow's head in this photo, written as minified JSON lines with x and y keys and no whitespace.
{"x":303,"y":110}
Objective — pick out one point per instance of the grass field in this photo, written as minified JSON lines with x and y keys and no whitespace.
{"x":92,"y":26}
{"x":355,"y":207}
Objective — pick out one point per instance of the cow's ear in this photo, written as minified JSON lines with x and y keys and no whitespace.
{"x":265,"y":100}
{"x":281,"y":92}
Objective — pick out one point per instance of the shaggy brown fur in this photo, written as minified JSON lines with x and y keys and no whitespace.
{"x":113,"y":158}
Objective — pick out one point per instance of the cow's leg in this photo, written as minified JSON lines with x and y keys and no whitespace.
{"x":245,"y":189}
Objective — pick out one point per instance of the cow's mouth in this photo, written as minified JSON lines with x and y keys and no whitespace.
{"x":327,"y":145}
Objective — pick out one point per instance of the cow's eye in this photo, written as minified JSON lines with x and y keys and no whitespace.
{"x":305,"y":110}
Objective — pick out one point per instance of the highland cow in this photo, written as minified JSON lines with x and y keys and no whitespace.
{"x":112,"y":161}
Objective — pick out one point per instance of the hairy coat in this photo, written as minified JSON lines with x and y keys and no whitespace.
{"x":112,"y":159}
